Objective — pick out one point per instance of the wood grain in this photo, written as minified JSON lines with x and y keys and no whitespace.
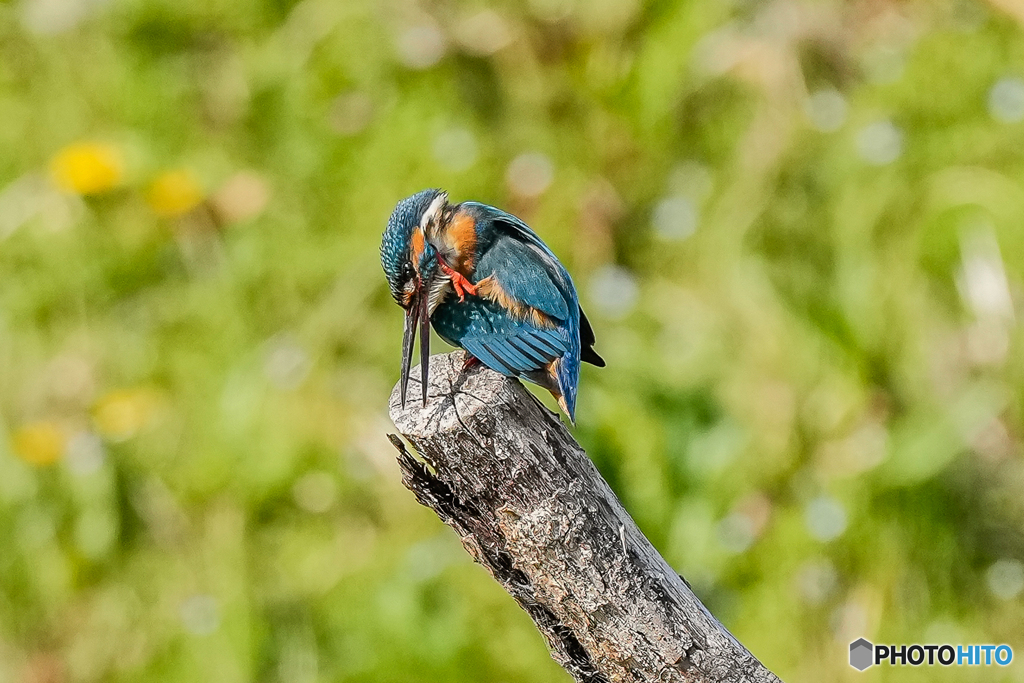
{"x":529,"y":505}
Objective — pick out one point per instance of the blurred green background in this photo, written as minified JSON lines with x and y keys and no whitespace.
{"x":796,"y":226}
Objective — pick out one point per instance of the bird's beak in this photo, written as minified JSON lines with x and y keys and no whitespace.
{"x":417,"y":315}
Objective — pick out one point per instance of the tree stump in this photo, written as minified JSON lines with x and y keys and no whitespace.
{"x":529,"y":505}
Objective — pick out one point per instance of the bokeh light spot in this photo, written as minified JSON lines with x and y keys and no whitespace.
{"x":1006,"y":579}
{"x":421,"y":46}
{"x":675,"y":218}
{"x":52,"y":17}
{"x":242,"y":197}
{"x":315,"y":492}
{"x":1006,"y":100}
{"x":39,"y":443}
{"x":200,"y":614}
{"x":87,"y":168}
{"x":880,"y":143}
{"x":483,"y":33}
{"x":85,"y":454}
{"x":816,"y":581}
{"x":691,"y":179}
{"x":121,"y":414}
{"x":614,"y":291}
{"x":286,"y":364}
{"x":456,"y":149}
{"x":736,"y":532}
{"x":825,"y":518}
{"x":530,"y":174}
{"x":174,"y":193}
{"x":826,"y":109}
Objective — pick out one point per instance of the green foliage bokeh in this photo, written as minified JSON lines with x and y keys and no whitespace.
{"x":795,"y":225}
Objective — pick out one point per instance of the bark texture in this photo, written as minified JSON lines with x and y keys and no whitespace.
{"x":529,"y":505}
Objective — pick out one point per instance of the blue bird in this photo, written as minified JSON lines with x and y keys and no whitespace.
{"x":488,"y":284}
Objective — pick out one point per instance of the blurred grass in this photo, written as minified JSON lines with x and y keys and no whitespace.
{"x":795,"y":225}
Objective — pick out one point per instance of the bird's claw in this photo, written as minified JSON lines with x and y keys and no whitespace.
{"x":460,"y":284}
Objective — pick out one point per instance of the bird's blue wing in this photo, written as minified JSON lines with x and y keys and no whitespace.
{"x":509,"y":222}
{"x":488,"y":332}
{"x":511,"y":340}
{"x":527,"y":275}
{"x":523,"y":265}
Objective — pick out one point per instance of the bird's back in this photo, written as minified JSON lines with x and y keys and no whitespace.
{"x":526,"y":321}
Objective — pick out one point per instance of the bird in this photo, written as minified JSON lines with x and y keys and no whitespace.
{"x":487,"y":283}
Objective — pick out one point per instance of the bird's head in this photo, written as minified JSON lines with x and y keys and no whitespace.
{"x":411,"y":266}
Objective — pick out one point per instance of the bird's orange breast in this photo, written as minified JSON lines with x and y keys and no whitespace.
{"x":460,"y":237}
{"x":416,"y":247}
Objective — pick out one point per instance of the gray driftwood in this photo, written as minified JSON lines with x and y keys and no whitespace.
{"x":530,"y":506}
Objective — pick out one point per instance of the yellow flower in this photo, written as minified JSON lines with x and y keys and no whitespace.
{"x":87,"y":168}
{"x":39,"y":443}
{"x":174,"y":193}
{"x":121,"y":414}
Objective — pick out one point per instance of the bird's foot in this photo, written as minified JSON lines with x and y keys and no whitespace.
{"x":460,"y":284}
{"x":470,"y":362}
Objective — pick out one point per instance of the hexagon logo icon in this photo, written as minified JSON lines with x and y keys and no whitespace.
{"x":861,"y":654}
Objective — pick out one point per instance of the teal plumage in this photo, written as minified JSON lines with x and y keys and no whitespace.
{"x":508,"y":301}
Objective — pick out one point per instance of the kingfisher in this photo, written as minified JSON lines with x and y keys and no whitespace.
{"x":488,"y":284}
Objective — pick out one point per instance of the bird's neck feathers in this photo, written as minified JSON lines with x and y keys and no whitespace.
{"x":440,"y":288}
{"x":424,"y":254}
{"x":434,"y":214}
{"x":454,"y":235}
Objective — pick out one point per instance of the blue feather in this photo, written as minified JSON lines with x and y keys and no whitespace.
{"x":527,"y":275}
{"x":545,"y":328}
{"x":524,"y":267}
{"x":394,"y":244}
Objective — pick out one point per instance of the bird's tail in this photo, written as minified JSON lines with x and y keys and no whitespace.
{"x":560,"y":377}
{"x":566,"y":371}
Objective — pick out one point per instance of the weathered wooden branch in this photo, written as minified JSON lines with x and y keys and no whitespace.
{"x":530,"y":506}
